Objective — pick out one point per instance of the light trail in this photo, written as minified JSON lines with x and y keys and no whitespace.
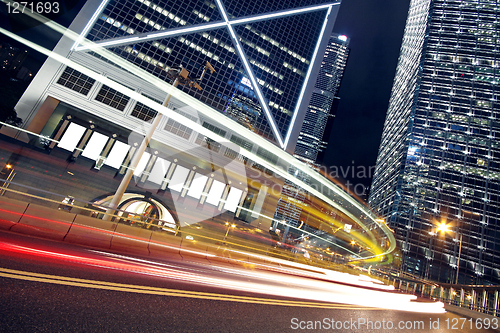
{"x":75,"y":282}
{"x":261,"y":282}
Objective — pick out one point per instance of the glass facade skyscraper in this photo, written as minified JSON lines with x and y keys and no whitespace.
{"x":310,"y":140}
{"x":326,"y":88}
{"x":263,"y":63}
{"x":278,"y":54}
{"x":439,"y":157}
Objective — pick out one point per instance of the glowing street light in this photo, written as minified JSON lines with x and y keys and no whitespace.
{"x":9,"y":178}
{"x":443,"y":227}
{"x":229,"y":226}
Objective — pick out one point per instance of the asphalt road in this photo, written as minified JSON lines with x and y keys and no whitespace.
{"x":49,"y":286}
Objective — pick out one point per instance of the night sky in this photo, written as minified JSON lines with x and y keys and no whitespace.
{"x":376,"y":31}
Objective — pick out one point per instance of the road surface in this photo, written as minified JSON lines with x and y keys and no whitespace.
{"x":50,"y":286}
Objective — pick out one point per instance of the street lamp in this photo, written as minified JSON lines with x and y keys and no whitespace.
{"x":10,"y":169}
{"x":180,"y":76}
{"x":444,"y":227}
{"x":227,"y":231}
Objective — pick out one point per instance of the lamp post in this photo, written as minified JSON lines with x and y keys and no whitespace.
{"x":458,"y":261}
{"x":429,"y":256}
{"x":180,"y":76}
{"x":227,"y":231}
{"x":443,"y":227}
{"x":8,"y":179}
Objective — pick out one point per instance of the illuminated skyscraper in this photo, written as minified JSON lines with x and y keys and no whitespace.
{"x":320,"y":110}
{"x":439,"y":157}
{"x":310,"y":140}
{"x":263,"y":63}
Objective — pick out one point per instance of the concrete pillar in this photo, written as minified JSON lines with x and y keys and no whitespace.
{"x":205,"y":190}
{"x":187,"y":184}
{"x":123,"y":167}
{"x":148,"y":168}
{"x":224,"y":197}
{"x":462,"y":294}
{"x":102,"y":158}
{"x":495,"y":307}
{"x":240,"y":204}
{"x":441,"y":292}
{"x":473,"y":300}
{"x":166,"y":180}
{"x":484,"y":303}
{"x":59,"y":133}
{"x":83,"y":142}
{"x":285,"y":233}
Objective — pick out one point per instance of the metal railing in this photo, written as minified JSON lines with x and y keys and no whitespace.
{"x":483,"y":299}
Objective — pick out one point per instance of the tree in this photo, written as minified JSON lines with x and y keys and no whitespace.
{"x":9,"y":115}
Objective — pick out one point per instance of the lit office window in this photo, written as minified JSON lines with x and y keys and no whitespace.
{"x":117,"y":154}
{"x":76,"y":81}
{"x":178,"y":129}
{"x":215,"y":193}
{"x":159,"y":171}
{"x":178,"y":178}
{"x":95,"y":145}
{"x":197,"y":186}
{"x":143,"y":112}
{"x":142,"y":164}
{"x":233,"y":199}
{"x":113,"y":98}
{"x":71,"y":137}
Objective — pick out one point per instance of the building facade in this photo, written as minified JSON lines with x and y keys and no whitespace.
{"x":263,"y":64}
{"x":439,"y":157}
{"x":320,"y":111}
{"x":319,"y":114}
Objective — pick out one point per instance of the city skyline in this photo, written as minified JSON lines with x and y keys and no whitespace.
{"x":320,"y":113}
{"x":168,"y":157}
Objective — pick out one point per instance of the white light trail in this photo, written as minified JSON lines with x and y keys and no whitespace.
{"x":187,"y":30}
{"x":284,"y":283}
{"x":89,"y":24}
{"x":151,"y":36}
{"x":280,"y":14}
